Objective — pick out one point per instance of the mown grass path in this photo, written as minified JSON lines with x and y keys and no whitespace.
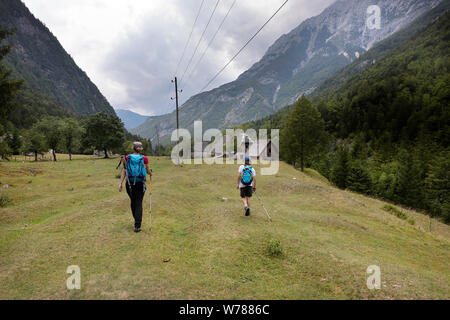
{"x":70,"y":213}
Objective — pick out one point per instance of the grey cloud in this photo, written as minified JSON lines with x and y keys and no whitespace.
{"x":143,"y":63}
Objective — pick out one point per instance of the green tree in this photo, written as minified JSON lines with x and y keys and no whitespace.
{"x":385,"y":184}
{"x":324,"y":164}
{"x":14,"y":141}
{"x":145,"y":146}
{"x":72,"y":133}
{"x":303,"y":134}
{"x":8,"y":86}
{"x":104,"y":132}
{"x":52,"y":130}
{"x":127,"y":147}
{"x":35,"y":141}
{"x":408,"y":189}
{"x":358,"y":148}
{"x":340,"y":170}
{"x":359,"y":179}
{"x":5,"y":150}
{"x":438,"y":187}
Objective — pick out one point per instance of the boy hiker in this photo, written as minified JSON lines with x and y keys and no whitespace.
{"x":135,"y":169}
{"x":246,"y":182}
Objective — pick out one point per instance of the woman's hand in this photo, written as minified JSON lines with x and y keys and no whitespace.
{"x":120,"y":187}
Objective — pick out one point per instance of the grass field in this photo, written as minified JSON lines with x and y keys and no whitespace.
{"x":71,"y":213}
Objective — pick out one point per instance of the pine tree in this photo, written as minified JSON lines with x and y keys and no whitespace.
{"x":303,"y":134}
{"x":359,"y":179}
{"x":14,"y":141}
{"x":408,"y":189}
{"x":438,"y":187}
{"x":340,"y":170}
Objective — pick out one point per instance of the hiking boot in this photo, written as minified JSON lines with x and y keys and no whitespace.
{"x":247,"y":212}
{"x":137,"y":230}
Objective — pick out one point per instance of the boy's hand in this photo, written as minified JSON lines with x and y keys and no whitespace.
{"x":254,"y":188}
{"x":120,"y":187}
{"x":237,"y":186}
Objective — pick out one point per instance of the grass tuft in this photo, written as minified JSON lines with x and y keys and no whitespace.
{"x":396,"y":212}
{"x":4,"y":200}
{"x":275,"y":248}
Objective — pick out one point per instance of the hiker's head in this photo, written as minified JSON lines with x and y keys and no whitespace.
{"x":247,"y":160}
{"x":137,"y":147}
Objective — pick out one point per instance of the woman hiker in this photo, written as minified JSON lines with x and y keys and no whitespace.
{"x":135,"y":170}
{"x":246,"y":182}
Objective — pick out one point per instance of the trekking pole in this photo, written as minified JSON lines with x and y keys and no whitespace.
{"x":120,"y":162}
{"x":268,"y":216}
{"x":150,"y":204}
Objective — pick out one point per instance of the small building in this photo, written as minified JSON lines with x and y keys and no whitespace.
{"x":98,"y":153}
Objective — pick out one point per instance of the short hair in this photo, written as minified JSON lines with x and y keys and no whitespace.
{"x":137,"y":144}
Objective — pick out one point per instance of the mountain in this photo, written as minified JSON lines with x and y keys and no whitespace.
{"x":130,"y":119}
{"x":295,"y":64}
{"x":328,"y":89}
{"x":379,"y":50}
{"x":39,"y":58}
{"x":402,"y":96}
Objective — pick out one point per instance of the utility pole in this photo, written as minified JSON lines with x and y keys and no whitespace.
{"x":176,"y":104}
{"x":176,"y":101}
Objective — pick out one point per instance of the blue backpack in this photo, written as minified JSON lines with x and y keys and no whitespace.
{"x":247,"y":176}
{"x":135,"y":168}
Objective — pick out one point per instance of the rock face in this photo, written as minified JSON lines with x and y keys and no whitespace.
{"x":39,"y":58}
{"x":295,"y":64}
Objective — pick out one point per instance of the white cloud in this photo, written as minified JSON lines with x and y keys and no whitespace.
{"x":130,"y":48}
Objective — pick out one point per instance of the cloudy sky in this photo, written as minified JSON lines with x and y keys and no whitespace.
{"x":131,"y":48}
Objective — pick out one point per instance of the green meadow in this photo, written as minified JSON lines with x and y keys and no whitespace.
{"x":201,"y":246}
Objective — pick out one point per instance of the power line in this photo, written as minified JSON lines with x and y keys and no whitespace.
{"x":240,"y":50}
{"x":212,"y":39}
{"x":198,"y":43}
{"x":189,"y":38}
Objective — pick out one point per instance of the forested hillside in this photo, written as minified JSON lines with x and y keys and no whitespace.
{"x":52,"y":79}
{"x":389,"y":125}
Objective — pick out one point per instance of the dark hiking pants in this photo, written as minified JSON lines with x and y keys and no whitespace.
{"x":136,"y":194}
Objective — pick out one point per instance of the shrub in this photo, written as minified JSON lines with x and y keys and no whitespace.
{"x":275,"y":248}
{"x":4,"y":200}
{"x":396,"y":212}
